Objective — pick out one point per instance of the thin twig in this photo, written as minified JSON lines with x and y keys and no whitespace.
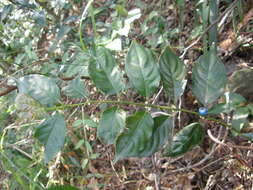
{"x":232,"y":5}
{"x":157,"y":172}
{"x":116,"y":173}
{"x":37,"y":62}
{"x":201,"y":161}
{"x":22,"y":152}
{"x":157,"y":95}
{"x":228,"y":145}
{"x":8,"y":90}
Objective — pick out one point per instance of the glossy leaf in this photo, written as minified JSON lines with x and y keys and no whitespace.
{"x":105,"y":72}
{"x":51,"y":133}
{"x":240,"y":118}
{"x":111,"y":125}
{"x":232,"y":101}
{"x":135,"y":139}
{"x":161,"y":133}
{"x":142,"y":70}
{"x":62,"y":187}
{"x":39,"y":87}
{"x":75,"y":89}
{"x":185,"y":139}
{"x":173,"y":73}
{"x":218,"y":108}
{"x":209,"y":78}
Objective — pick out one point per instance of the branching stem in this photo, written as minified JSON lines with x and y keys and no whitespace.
{"x":168,"y":108}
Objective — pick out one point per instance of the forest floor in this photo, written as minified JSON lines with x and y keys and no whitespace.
{"x":208,"y":166}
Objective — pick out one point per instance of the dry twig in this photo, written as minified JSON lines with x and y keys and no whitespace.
{"x":228,"y":145}
{"x":208,"y":28}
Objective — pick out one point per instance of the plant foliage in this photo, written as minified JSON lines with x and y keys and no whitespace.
{"x":57,"y":63}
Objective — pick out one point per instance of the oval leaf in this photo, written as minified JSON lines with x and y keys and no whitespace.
{"x":111,"y":124}
{"x":218,"y":108}
{"x":75,"y":89}
{"x":142,"y":70}
{"x":79,"y":66}
{"x":161,"y":133}
{"x":239,"y":120}
{"x":185,"y":139}
{"x":41,"y":88}
{"x":105,"y":72}
{"x":134,"y":140}
{"x":232,"y":102}
{"x":51,"y":133}
{"x":173,"y":73}
{"x":209,"y":78}
{"x":62,"y":187}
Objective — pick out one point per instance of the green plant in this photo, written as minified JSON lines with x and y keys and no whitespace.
{"x":145,"y":127}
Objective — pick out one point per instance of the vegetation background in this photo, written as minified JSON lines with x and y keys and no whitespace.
{"x":123,"y":94}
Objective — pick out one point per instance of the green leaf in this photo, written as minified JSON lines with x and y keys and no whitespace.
{"x":134,"y":140}
{"x":51,"y":133}
{"x":173,"y":73}
{"x":209,"y":78}
{"x":28,"y":108}
{"x":62,"y":187}
{"x":40,"y":18}
{"x":75,"y":89}
{"x":89,"y":122}
{"x":63,"y":30}
{"x":141,"y":68}
{"x":41,"y":88}
{"x":250,"y":107}
{"x":185,"y":139}
{"x":79,"y":66}
{"x":234,"y":99}
{"x":7,"y":9}
{"x":161,"y":133}
{"x":79,"y":144}
{"x":217,"y":109}
{"x":25,"y":4}
{"x":111,"y":125}
{"x":197,"y":31}
{"x":105,"y":72}
{"x":240,"y":118}
{"x":232,"y":102}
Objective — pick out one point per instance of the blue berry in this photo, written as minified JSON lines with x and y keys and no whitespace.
{"x":202,"y":111}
